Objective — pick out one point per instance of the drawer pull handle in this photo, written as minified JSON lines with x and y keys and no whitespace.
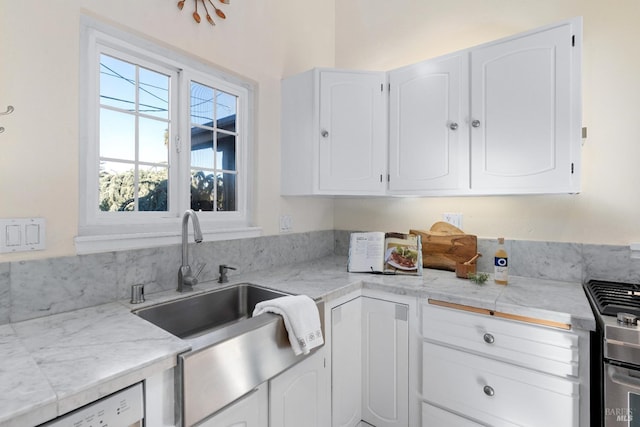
{"x":488,"y":338}
{"x":488,"y":390}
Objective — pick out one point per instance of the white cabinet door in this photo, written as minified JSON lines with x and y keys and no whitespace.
{"x":370,"y":363}
{"x":385,"y":363}
{"x":249,"y":411}
{"x":300,"y":395}
{"x":334,"y":133}
{"x":495,"y":392}
{"x":525,"y":113}
{"x":352,"y":132}
{"x":428,"y":134}
{"x":346,"y":364}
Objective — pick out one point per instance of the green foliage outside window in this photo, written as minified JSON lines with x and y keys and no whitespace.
{"x":117,"y":191}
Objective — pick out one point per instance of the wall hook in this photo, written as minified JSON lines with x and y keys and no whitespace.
{"x":9,"y":110}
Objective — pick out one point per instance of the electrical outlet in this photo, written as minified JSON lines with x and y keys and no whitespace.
{"x":286,"y":223}
{"x":454,"y":219}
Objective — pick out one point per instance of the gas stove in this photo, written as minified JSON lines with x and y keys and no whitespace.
{"x":618,"y":311}
{"x":615,"y":353}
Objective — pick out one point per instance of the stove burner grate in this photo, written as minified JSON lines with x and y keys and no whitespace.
{"x":612,"y":298}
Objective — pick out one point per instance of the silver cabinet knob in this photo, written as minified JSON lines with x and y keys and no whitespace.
{"x":475,"y":123}
{"x":453,"y":126}
{"x":324,"y":133}
{"x":488,"y":338}
{"x":488,"y":390}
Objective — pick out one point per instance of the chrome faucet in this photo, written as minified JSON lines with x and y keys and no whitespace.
{"x":186,"y":279}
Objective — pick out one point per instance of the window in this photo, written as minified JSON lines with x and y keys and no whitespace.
{"x":213,"y":149}
{"x":134,"y":123}
{"x":161,"y":133}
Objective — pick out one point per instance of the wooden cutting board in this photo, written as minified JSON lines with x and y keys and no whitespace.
{"x":444,"y":245}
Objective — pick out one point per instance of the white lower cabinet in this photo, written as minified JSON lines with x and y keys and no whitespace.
{"x":385,"y":363}
{"x":249,"y":411}
{"x":481,"y":369}
{"x":346,"y":362}
{"x":497,"y":393}
{"x":370,"y":363}
{"x":432,"y":416}
{"x":300,"y":396}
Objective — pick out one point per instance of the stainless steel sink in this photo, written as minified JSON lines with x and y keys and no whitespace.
{"x":203,"y":313}
{"x":231,"y":352}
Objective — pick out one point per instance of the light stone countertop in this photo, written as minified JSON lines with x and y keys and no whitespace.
{"x":55,"y":364}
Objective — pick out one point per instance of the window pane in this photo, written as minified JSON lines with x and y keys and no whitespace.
{"x":116,"y":187}
{"x":202,"y":194}
{"x":202,"y":148}
{"x":117,"y":135}
{"x":201,"y":104}
{"x":154,"y":93}
{"x":226,"y":192}
{"x":153,"y":189}
{"x":226,"y":152}
{"x":154,"y":143}
{"x":117,"y":83}
{"x":226,"y":111}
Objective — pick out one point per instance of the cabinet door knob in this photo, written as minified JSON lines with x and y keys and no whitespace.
{"x":475,"y":123}
{"x":324,"y":133}
{"x":488,"y":390}
{"x":488,"y":338}
{"x":453,"y":126}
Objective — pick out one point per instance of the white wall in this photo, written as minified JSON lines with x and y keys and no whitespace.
{"x":265,"y":40}
{"x":382,"y":35}
{"x":262,"y":41}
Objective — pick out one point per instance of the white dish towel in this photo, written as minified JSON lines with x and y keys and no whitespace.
{"x":301,"y":318}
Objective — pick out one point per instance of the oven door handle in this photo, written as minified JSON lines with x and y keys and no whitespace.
{"x":618,"y":376}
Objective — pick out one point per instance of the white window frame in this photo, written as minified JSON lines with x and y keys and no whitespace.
{"x":108,"y":231}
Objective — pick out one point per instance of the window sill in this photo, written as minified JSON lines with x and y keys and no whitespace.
{"x":118,"y":242}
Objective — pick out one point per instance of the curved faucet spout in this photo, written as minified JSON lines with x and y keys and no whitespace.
{"x":186,"y":280}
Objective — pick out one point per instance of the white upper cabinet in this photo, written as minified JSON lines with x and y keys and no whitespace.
{"x":334,"y":133}
{"x":428,"y":136}
{"x":500,"y":118}
{"x":525,"y":112}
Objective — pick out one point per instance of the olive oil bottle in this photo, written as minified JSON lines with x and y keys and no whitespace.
{"x":501,"y":264}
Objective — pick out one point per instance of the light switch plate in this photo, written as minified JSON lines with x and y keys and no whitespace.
{"x":22,"y":234}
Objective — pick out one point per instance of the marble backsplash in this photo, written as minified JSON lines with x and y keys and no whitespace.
{"x":30,"y":289}
{"x":569,"y":262}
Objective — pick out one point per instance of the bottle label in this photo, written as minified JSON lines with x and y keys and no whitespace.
{"x":501,"y":269}
{"x":500,"y":262}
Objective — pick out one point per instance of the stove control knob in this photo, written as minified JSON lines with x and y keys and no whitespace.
{"x":627,"y":319}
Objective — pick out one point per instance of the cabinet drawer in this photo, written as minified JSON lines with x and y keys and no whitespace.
{"x":496,"y":392}
{"x":433,"y":416}
{"x":537,"y":347}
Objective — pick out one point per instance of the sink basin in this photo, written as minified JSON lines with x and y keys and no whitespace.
{"x":231,"y":352}
{"x":200,"y":314}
